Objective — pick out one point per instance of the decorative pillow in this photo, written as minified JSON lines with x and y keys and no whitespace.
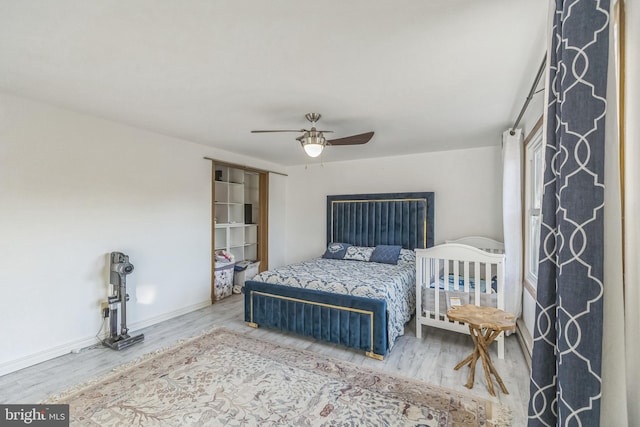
{"x":407,"y":256}
{"x":358,"y":253}
{"x":386,"y":254}
{"x":336,"y":250}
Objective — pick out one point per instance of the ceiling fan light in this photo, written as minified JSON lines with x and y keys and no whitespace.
{"x":313,"y":145}
{"x":313,"y":150}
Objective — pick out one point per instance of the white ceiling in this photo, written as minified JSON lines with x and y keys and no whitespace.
{"x":425,"y":75}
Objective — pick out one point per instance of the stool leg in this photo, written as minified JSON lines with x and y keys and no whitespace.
{"x":474,"y":358}
{"x":486,"y":361}
{"x":469,"y":358}
{"x":489,"y":337}
{"x":464,"y":362}
{"x":494,"y":335}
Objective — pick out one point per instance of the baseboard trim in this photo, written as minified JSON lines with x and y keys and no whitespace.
{"x":166,"y":316}
{"x":51,"y":353}
{"x":43,"y":356}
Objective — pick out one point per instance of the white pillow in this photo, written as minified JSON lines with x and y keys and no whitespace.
{"x":358,"y":253}
{"x":407,"y":256}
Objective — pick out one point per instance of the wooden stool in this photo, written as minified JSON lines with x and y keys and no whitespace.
{"x":485,"y":324}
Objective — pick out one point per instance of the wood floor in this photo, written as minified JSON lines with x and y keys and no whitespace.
{"x":430,"y":359}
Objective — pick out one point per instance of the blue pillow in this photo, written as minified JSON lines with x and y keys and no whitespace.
{"x":386,"y":254}
{"x":336,"y":250}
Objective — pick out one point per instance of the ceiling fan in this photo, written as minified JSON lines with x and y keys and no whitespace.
{"x":313,"y":140}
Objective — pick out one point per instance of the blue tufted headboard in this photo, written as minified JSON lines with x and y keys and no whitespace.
{"x":405,"y":219}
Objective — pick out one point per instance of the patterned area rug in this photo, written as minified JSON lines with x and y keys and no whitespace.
{"x":226,"y":378}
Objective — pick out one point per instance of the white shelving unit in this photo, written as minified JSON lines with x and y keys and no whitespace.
{"x":236,"y":212}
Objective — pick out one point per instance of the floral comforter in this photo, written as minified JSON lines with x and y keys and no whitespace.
{"x":393,"y":283}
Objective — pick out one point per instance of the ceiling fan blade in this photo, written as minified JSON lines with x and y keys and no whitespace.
{"x":282,"y":130}
{"x":362,"y":138}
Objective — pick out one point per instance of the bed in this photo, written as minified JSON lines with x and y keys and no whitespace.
{"x":464,"y":271}
{"x":352,"y":302}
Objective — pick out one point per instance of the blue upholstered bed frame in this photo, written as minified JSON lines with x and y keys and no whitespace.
{"x":405,"y":219}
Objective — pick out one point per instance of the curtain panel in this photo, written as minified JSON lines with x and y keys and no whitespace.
{"x":565,"y":387}
{"x":512,"y":218}
{"x":631,"y":208}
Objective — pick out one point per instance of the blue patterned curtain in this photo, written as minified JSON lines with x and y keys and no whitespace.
{"x":567,"y":352}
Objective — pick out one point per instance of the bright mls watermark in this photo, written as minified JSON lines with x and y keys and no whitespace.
{"x":34,"y":415}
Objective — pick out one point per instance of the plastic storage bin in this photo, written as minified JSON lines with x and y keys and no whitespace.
{"x":241,"y":276}
{"x":223,"y":280}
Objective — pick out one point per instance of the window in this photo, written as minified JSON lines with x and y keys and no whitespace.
{"x":534,"y":156}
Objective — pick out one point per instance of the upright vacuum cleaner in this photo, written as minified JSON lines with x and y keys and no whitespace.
{"x":119,"y":268}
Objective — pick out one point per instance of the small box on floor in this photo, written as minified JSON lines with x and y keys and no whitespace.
{"x":223,"y":280}
{"x":245,"y":270}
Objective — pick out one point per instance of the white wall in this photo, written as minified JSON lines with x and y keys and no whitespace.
{"x":467,"y":186}
{"x":277,"y":219}
{"x":73,"y":188}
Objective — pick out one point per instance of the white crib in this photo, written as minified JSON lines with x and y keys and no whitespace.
{"x":450,"y":273}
